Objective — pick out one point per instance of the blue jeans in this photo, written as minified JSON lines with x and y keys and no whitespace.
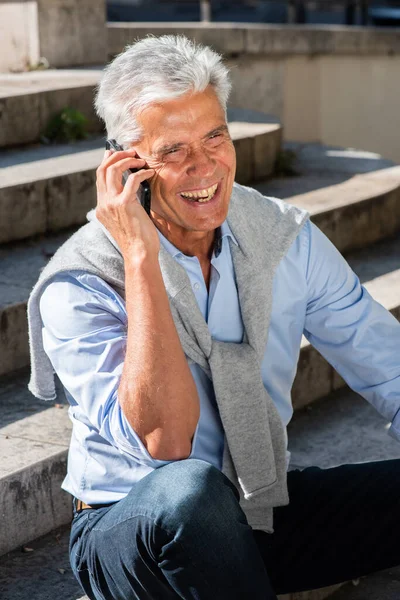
{"x":180,"y":533}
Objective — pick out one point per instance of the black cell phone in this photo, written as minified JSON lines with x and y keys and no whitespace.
{"x":144,"y":193}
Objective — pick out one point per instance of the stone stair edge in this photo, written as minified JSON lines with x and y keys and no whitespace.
{"x":34,"y":490}
{"x":262,"y":38}
{"x":50,"y":204}
{"x":67,"y":156}
{"x":29,"y":100}
{"x":28,"y":113}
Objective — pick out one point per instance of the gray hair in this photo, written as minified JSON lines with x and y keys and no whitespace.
{"x":155,"y":70}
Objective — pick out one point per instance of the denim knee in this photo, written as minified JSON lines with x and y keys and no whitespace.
{"x":193,"y":493}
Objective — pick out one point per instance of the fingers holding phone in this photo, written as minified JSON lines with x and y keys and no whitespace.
{"x":118,"y":208}
{"x":143,"y":192}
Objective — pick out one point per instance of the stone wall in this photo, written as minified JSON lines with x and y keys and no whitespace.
{"x":65,"y":32}
{"x":18,"y":35}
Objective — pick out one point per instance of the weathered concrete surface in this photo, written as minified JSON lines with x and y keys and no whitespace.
{"x":64,"y":32}
{"x":357,"y":212}
{"x":49,"y":188}
{"x":257,"y":83}
{"x":55,"y":188}
{"x":20,"y":268}
{"x":14,"y":349}
{"x":380,"y":586}
{"x":223,"y":37}
{"x":43,"y":574}
{"x":29,"y":100}
{"x":265,"y":38}
{"x":257,"y":145}
{"x":34,"y":437}
{"x":340,"y":428}
{"x":320,"y":594}
{"x":47,"y":194}
{"x":18,"y":34}
{"x":34,"y":490}
{"x":353,"y":196}
{"x":72,"y":32}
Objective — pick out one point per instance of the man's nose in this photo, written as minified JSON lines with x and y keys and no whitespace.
{"x":201,"y":163}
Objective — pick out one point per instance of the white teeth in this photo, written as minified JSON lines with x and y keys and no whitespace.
{"x":201,"y":195}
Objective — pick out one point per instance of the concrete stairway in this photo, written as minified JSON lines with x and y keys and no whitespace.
{"x":45,"y":193}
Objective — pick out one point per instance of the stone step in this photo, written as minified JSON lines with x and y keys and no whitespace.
{"x":29,"y":100}
{"x":34,"y":438}
{"x":29,"y":486}
{"x":384,"y":585}
{"x":352,"y":195}
{"x":48,"y":188}
{"x":21,"y":264}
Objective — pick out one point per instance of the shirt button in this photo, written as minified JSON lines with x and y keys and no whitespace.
{"x":196,"y":286}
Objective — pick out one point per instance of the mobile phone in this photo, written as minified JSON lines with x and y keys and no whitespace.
{"x":143,"y":193}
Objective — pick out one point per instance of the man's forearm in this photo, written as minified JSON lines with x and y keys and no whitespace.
{"x":157,"y":392}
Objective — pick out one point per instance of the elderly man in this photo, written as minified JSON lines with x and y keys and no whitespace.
{"x":176,"y":337}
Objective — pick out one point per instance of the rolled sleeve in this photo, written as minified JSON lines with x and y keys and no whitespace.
{"x":116,"y":427}
{"x":356,"y":334}
{"x":84,"y":335}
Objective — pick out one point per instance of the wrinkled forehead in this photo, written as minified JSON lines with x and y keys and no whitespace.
{"x":181,"y":120}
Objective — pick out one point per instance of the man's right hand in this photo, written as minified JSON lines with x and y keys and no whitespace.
{"x":157,"y":392}
{"x":118,"y":208}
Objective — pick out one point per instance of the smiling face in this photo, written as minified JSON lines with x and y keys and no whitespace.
{"x":187,"y":142}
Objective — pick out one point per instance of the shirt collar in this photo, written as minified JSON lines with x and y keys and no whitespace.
{"x":223,"y":231}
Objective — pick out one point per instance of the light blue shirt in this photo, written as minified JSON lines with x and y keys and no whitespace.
{"x":315,"y":292}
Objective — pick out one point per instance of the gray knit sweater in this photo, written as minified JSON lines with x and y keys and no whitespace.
{"x":255,"y":446}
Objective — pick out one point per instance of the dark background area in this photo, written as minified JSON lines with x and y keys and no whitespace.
{"x":380,"y":12}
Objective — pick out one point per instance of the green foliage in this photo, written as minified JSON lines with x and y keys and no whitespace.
{"x":42,"y":65}
{"x":69,"y":125}
{"x":284,"y":165}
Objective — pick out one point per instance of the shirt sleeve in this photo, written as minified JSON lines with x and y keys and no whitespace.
{"x":84,"y":335}
{"x":356,"y":334}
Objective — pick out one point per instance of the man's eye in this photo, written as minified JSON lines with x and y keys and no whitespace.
{"x":174,"y":155}
{"x":215,"y":139}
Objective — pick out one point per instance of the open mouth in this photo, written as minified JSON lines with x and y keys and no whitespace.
{"x":202,"y":196}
